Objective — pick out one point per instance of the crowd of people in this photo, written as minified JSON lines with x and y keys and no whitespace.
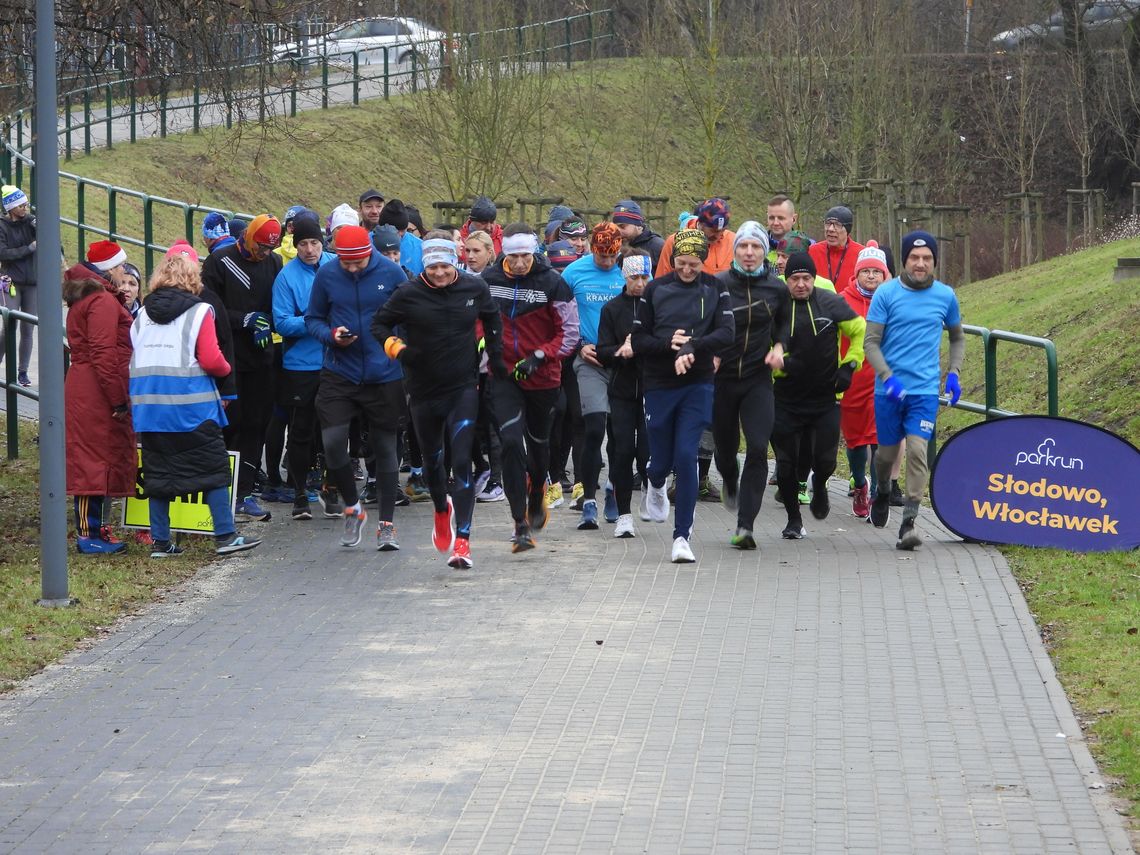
{"x":490,"y":361}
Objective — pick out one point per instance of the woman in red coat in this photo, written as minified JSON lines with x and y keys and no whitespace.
{"x":101,"y":455}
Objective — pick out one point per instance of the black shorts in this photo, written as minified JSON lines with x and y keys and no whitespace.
{"x":297,"y":388}
{"x":339,"y":401}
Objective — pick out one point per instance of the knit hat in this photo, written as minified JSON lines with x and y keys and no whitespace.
{"x":916,"y":239}
{"x":265,"y":230}
{"x":572,"y":227}
{"x":131,"y":270}
{"x":370,"y":194}
{"x":793,"y":242}
{"x":691,"y":242}
{"x":483,"y":210}
{"x":629,"y":212}
{"x":440,"y":251}
{"x":291,"y":215}
{"x":555,"y":218}
{"x":872,"y":258}
{"x":799,"y":262}
{"x":236,"y":228}
{"x":352,"y":242}
{"x":306,"y":226}
{"x":215,"y":227}
{"x":605,"y":239}
{"x":182,"y":249}
{"x":12,"y":197}
{"x":394,"y":214}
{"x":385,"y":238}
{"x":713,"y":212}
{"x":105,"y":255}
{"x":343,"y":215}
{"x":414,"y":218}
{"x":560,"y":254}
{"x":752,"y":230}
{"x":842,"y":215}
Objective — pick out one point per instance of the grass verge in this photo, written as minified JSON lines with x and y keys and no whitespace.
{"x":105,"y":588}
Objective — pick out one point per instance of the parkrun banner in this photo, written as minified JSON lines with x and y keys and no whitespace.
{"x":1039,"y":481}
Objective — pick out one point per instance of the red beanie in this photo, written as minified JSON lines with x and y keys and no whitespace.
{"x":352,"y":242}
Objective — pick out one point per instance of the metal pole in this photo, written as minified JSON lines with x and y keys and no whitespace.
{"x":969,"y":15}
{"x":53,"y":480}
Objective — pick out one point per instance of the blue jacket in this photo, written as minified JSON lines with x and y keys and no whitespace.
{"x":593,"y":288}
{"x":343,"y":299}
{"x":291,"y":290}
{"x":412,"y":253}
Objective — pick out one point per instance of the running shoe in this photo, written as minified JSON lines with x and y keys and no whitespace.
{"x":330,"y":503}
{"x":577,"y":496}
{"x":589,"y":521}
{"x":794,"y":530}
{"x":804,"y":496}
{"x":386,"y":537}
{"x":357,"y":470}
{"x":143,"y":538}
{"x":236,"y":543}
{"x":707,"y":492}
{"x":554,"y":497}
{"x":881,"y":509}
{"x":23,"y":379}
{"x":657,"y":503}
{"x":624,"y":527}
{"x":861,"y":501}
{"x":493,"y":492}
{"x":909,"y":538}
{"x":728,"y":494}
{"x":443,"y":528}
{"x":301,"y":510}
{"x":743,"y":539}
{"x":523,"y":539}
{"x":481,"y":480}
{"x":417,"y":489}
{"x":851,"y":487}
{"x":461,"y":555}
{"x":99,"y":546}
{"x":354,"y":519}
{"x":820,"y":503}
{"x":610,"y":509}
{"x":165,"y":549}
{"x":643,"y":508}
{"x":897,"y":499}
{"x":538,"y":514}
{"x":249,"y":510}
{"x":368,"y":494}
{"x":682,"y":552}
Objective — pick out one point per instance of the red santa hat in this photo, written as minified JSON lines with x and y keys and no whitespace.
{"x":105,"y":255}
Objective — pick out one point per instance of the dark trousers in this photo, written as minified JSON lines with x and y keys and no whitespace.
{"x":448,"y":421}
{"x":817,"y":426}
{"x":676,"y":418}
{"x":524,"y":418}
{"x":629,"y":444}
{"x":249,"y":416}
{"x":749,"y":404}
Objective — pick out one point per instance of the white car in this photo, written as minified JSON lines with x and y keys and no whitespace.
{"x":402,"y":37}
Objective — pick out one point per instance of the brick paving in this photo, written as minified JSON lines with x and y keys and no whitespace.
{"x":827,"y":695}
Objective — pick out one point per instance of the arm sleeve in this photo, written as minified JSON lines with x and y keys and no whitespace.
{"x":213,"y":279}
{"x":565,"y":311}
{"x":388,"y":317}
{"x":782,"y":319}
{"x":288,"y":316}
{"x":12,"y":253}
{"x":855,"y":329}
{"x":643,"y":340}
{"x":492,"y":325}
{"x":103,"y":317}
{"x":317,"y":313}
{"x":723,"y":332}
{"x":957,"y":348}
{"x":872,"y":338}
{"x":608,"y":341}
{"x":207,"y":351}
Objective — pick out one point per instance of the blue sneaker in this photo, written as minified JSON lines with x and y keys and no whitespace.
{"x":249,"y":510}
{"x":589,"y":521}
{"x":611,"y":508}
{"x":99,"y":546}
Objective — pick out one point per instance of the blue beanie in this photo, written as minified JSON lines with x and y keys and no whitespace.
{"x":214,"y":226}
{"x":919,"y":238}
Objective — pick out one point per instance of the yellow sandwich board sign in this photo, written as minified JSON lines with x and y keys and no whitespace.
{"x":189,"y":514}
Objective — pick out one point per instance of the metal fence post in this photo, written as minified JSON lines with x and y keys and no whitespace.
{"x":134,"y":112}
{"x":66,"y":128}
{"x":87,"y":121}
{"x":112,"y":211}
{"x":80,"y":210}
{"x":148,"y":233}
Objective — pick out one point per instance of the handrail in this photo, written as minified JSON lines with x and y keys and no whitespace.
{"x":990,"y":339}
{"x":9,"y":318}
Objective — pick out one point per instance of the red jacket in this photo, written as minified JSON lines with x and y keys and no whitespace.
{"x":838,"y":265}
{"x":496,"y":239}
{"x":101,"y":455}
{"x":538,"y":313}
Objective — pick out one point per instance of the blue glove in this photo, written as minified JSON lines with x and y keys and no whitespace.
{"x":953,"y":388}
{"x":894,"y":388}
{"x":258,"y":324}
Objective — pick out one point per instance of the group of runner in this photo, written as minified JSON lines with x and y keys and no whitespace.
{"x":486,"y":357}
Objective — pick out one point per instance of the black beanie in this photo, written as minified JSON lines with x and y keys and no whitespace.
{"x":843,"y":214}
{"x":799,"y":262}
{"x":306,"y":226}
{"x":394,"y":214}
{"x":483,"y":210}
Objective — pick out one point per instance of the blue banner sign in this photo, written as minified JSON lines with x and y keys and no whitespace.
{"x":1039,"y":481}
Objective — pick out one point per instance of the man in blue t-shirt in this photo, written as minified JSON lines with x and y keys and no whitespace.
{"x":904,"y":334}
{"x":595,"y":279}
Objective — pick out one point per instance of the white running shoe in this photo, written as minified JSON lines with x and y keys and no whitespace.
{"x":682,"y":552}
{"x":657,"y":503}
{"x":624,"y":527}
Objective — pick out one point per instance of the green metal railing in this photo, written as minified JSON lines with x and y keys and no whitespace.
{"x":990,"y":339}
{"x":13,"y":391}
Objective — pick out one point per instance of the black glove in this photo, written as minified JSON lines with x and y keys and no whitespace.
{"x":843,"y":376}
{"x":525,"y":367}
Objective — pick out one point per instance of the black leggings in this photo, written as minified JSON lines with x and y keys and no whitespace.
{"x":383,"y":442}
{"x":819,"y":427}
{"x":524,"y":418}
{"x":302,"y":434}
{"x":448,"y":420}
{"x":593,"y":436}
{"x":628,"y":443}
{"x":749,"y":404}
{"x":249,"y":417}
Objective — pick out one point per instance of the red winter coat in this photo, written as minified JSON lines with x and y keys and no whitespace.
{"x":838,"y":265}
{"x":496,"y":234}
{"x":101,"y":455}
{"x":857,"y":409}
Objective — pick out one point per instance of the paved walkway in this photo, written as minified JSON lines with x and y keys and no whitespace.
{"x":828,"y":695}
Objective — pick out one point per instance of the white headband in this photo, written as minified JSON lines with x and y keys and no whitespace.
{"x":520,"y":243}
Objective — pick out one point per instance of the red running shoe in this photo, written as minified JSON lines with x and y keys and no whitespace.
{"x":443,"y":529}
{"x":461,"y":556}
{"x":861,"y":501}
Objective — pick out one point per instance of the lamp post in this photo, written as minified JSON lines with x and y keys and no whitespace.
{"x":53,"y":468}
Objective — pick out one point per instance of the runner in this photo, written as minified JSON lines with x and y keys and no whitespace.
{"x":684,"y":320}
{"x":540,"y":329}
{"x":438,"y":349}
